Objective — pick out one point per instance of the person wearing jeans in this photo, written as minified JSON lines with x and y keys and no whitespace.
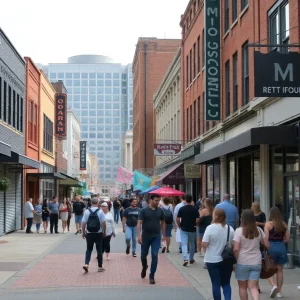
{"x":129,"y":222}
{"x":213,"y":243}
{"x":93,"y":237}
{"x":187,"y":221}
{"x":53,"y":208}
{"x":152,"y":219}
{"x":116,"y":206}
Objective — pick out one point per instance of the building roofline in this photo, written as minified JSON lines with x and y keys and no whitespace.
{"x":47,"y":80}
{"x":27,"y":58}
{"x":12,"y":46}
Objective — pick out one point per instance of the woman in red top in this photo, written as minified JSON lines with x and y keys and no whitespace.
{"x":64,"y":214}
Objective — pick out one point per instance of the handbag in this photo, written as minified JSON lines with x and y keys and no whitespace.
{"x":268,"y":266}
{"x":227,"y":254}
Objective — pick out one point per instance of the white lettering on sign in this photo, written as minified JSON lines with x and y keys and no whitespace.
{"x":288,"y":71}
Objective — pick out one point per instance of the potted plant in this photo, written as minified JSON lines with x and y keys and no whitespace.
{"x":4,"y":184}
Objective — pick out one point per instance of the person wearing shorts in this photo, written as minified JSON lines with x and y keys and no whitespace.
{"x":78,"y":209}
{"x":247,"y":240}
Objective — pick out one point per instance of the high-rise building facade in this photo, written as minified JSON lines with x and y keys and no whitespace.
{"x":100,"y":93}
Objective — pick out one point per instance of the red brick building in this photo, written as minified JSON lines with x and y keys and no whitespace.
{"x":32,"y":139}
{"x":225,"y":166}
{"x":151,"y":61}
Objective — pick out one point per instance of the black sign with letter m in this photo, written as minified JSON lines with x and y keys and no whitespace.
{"x":276,"y":74}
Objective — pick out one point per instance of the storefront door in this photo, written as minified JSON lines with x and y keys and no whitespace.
{"x":292,"y":216}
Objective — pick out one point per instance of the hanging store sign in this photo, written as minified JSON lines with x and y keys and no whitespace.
{"x":167,"y":149}
{"x":192,"y":171}
{"x":212,"y":61}
{"x":60,"y":115}
{"x":82,"y":151}
{"x":276,"y":74}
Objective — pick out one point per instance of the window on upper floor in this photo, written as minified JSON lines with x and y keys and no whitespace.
{"x":187,"y":72}
{"x":227,"y":87}
{"x":198,"y":54}
{"x":194,"y":60}
{"x":234,"y":10}
{"x":191,"y":64}
{"x":245,"y":52}
{"x":279,"y":25}
{"x":235,"y":80}
{"x":195,"y":118}
{"x":203,"y":48}
{"x":226,"y":16}
{"x":187,"y":125}
{"x":244,"y":4}
{"x":199,"y":117}
{"x":48,"y":134}
{"x":32,"y":122}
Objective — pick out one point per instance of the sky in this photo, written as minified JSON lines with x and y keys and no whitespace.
{"x":50,"y":31}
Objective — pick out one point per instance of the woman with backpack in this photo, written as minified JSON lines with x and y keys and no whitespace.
{"x":167,"y":207}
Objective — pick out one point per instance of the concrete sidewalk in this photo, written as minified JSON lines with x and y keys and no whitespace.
{"x":20,"y":251}
{"x":198,"y":277}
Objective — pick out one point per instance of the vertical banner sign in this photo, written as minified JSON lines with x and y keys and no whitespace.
{"x":60,"y":115}
{"x":212,"y":61}
{"x":82,"y":153}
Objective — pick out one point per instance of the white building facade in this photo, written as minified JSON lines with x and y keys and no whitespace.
{"x":127,"y":150}
{"x":167,"y":108}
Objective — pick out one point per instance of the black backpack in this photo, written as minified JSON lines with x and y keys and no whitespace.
{"x":168,"y":215}
{"x":93,"y":222}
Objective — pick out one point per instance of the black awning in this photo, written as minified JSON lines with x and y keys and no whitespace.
{"x":174,"y":175}
{"x":269,"y":135}
{"x":5,"y":149}
{"x":20,"y":159}
{"x":70,"y":181}
{"x":46,"y":175}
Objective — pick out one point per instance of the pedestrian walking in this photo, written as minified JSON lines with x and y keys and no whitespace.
{"x":168,"y":211}
{"x":37,"y":218}
{"x":70,"y":210}
{"x":53,"y":208}
{"x":176,"y":210}
{"x":213,"y":243}
{"x":247,"y":240}
{"x":260,"y":216}
{"x":116,"y":206}
{"x":278,"y":235}
{"x":29,"y":212}
{"x":205,"y":212}
{"x":45,"y":215}
{"x":110,"y":229}
{"x":78,"y":209}
{"x":64,"y":213}
{"x":232,"y":215}
{"x":152,"y":219}
{"x":129,"y":222}
{"x":93,"y":230}
{"x":187,"y":221}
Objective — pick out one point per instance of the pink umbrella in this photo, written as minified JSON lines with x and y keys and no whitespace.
{"x":167,"y":191}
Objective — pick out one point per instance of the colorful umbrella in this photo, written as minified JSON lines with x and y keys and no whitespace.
{"x":167,"y":191}
{"x":153,"y":188}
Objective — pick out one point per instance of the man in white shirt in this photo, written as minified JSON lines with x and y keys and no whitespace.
{"x":29,"y":211}
{"x":93,"y":230}
{"x":176,"y":210}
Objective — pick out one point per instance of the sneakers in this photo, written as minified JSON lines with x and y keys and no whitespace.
{"x":85,"y":268}
{"x":185,"y":263}
{"x":279,"y":295}
{"x":163,"y":250}
{"x":133,"y":254}
{"x":192,"y":261}
{"x":274,"y":291}
{"x":100,"y":269}
{"x":144,"y":270}
{"x":128,"y":249}
{"x":151,"y":279}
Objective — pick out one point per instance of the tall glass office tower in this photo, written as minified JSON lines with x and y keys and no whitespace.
{"x":100,"y":93}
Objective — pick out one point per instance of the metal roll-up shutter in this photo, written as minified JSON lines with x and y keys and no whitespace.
{"x":10,"y":203}
{"x":19,"y":200}
{"x":1,"y":204}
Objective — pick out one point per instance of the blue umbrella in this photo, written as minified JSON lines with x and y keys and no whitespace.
{"x":153,"y":188}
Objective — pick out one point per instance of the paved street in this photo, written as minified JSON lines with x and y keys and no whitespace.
{"x":50,"y":267}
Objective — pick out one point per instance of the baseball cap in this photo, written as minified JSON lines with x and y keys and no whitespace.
{"x":104,"y":204}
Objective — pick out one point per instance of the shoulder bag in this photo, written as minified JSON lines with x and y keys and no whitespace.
{"x":268,"y":266}
{"x":227,"y":254}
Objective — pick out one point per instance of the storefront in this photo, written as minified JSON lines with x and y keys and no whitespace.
{"x":65,"y":186}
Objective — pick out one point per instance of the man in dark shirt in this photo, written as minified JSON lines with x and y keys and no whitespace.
{"x":53,"y":208}
{"x":152,"y":221}
{"x":78,"y":209}
{"x":187,"y":220}
{"x":130,"y":220}
{"x":116,"y":206}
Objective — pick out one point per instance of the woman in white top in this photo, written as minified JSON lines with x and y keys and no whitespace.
{"x":167,"y":207}
{"x":213,"y":243}
{"x":110,"y":229}
{"x":247,"y":240}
